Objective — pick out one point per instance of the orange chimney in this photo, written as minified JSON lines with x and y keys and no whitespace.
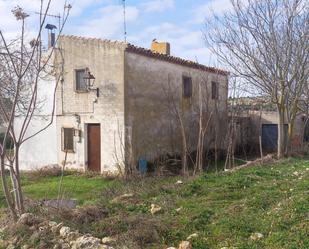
{"x":160,"y":47}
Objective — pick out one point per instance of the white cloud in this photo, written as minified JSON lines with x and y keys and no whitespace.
{"x":157,"y":5}
{"x":217,"y":7}
{"x":11,"y":27}
{"x":109,"y":24}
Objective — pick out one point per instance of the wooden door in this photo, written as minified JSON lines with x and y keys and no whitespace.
{"x":94,"y":147}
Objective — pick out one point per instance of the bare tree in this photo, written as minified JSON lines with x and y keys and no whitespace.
{"x":265,"y":42}
{"x":24,"y":65}
{"x":205,"y":119}
{"x":176,"y":111}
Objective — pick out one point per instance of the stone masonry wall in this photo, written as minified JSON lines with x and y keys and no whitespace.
{"x":105,"y":60}
{"x":152,"y":86}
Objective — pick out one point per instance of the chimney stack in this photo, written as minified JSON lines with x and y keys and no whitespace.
{"x":160,"y":47}
{"x":51,"y":39}
{"x":51,"y":35}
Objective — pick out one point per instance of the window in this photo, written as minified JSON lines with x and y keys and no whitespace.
{"x":68,"y":139}
{"x":187,"y":86}
{"x":80,"y":81}
{"x":214,"y":90}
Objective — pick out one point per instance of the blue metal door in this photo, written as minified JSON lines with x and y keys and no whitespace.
{"x":269,"y":137}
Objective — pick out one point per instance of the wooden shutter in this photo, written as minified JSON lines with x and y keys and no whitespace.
{"x":214,"y":90}
{"x":187,"y":86}
{"x":68,"y":139}
{"x":80,"y":82}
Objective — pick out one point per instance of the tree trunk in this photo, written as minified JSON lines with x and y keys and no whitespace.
{"x":281,"y":145}
{"x":14,"y":186}
{"x":18,"y":182}
{"x":6,"y":189}
{"x":184,"y":151}
{"x":289,"y":138}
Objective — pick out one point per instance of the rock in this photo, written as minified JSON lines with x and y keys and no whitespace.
{"x":194,"y":235}
{"x":178,"y":209}
{"x":171,"y":247}
{"x":43,"y":228}
{"x":86,"y":242}
{"x":35,"y":236}
{"x":52,"y":224}
{"x":65,"y":246}
{"x":122,"y":198}
{"x":27,"y":219}
{"x":63,"y":203}
{"x":61,"y":241}
{"x":73,"y":235}
{"x":185,"y":245}
{"x":155,"y":209}
{"x":108,"y":240}
{"x":10,"y":246}
{"x":3,"y":244}
{"x":25,"y":247}
{"x":32,"y":229}
{"x":56,"y":229}
{"x":179,"y":182}
{"x":57,"y":246}
{"x":64,"y":231}
{"x":15,"y":240}
{"x":256,"y":236}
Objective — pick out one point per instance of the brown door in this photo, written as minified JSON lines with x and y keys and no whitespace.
{"x":94,"y":147}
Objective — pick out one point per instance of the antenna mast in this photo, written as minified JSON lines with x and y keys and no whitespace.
{"x":124,"y":20}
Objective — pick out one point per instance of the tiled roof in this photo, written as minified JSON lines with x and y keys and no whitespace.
{"x":149,"y":53}
{"x":173,"y":59}
{"x":82,"y":38}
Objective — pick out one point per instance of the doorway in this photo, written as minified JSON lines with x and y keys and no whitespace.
{"x":270,"y":137}
{"x":94,"y":147}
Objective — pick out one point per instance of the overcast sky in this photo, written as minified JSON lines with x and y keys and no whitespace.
{"x":179,"y":22}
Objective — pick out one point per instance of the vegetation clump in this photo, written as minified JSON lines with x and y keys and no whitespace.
{"x":254,"y":207}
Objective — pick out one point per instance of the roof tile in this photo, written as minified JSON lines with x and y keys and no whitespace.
{"x":147,"y":52}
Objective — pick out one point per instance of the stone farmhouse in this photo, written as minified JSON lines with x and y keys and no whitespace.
{"x":117,"y":103}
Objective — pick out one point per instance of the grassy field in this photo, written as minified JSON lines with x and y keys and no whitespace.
{"x":223,"y":209}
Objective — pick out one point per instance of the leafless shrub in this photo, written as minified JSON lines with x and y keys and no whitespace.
{"x":46,"y":171}
{"x":265,"y":43}
{"x":145,"y":230}
{"x":22,"y":66}
{"x":87,"y":214}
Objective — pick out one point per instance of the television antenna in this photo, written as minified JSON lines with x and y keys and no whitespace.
{"x":124,"y":21}
{"x":49,"y":15}
{"x":66,"y":6}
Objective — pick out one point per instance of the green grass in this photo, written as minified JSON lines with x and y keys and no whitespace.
{"x":224,"y":209}
{"x":82,"y":188}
